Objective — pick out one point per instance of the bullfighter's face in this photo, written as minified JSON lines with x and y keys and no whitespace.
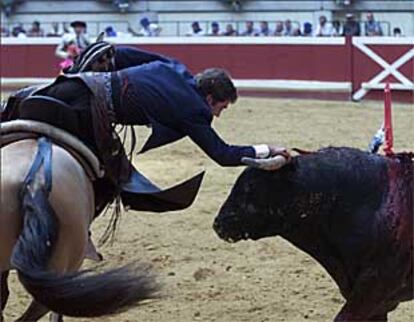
{"x":217,"y":106}
{"x":247,"y":213}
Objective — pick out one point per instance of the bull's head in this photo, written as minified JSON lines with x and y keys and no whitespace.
{"x":255,"y":207}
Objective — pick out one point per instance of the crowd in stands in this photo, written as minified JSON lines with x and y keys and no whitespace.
{"x":35,"y":30}
{"x":147,"y":28}
{"x":288,"y":28}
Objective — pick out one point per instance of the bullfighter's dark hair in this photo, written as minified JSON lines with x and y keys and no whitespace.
{"x":217,"y":83}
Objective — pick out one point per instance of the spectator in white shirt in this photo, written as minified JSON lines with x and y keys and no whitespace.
{"x":78,"y":37}
{"x":18,"y":31}
{"x":324,"y":28}
{"x":148,"y":29}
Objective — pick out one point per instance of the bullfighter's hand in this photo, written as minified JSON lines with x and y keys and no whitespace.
{"x":277,"y":150}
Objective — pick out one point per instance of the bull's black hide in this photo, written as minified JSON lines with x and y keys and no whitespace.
{"x":350,"y":210}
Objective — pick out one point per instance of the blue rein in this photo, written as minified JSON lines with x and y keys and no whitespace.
{"x":43,"y":157}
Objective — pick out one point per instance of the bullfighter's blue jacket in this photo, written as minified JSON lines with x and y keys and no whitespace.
{"x":161,"y":92}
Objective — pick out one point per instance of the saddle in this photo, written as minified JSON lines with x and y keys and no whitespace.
{"x":138,"y":193}
{"x":50,"y":110}
{"x":17,"y":130}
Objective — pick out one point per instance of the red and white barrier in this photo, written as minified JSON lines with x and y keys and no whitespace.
{"x":292,"y":66}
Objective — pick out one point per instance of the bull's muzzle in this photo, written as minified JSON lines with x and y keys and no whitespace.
{"x":228,"y":228}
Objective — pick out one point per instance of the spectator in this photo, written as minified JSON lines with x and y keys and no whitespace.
{"x":264,"y":29}
{"x":55,"y":30}
{"x":72,"y":51}
{"x":396,"y":32}
{"x":196,"y":30}
{"x":230,"y":31}
{"x":18,"y":31}
{"x":288,"y":30}
{"x":148,"y":29}
{"x":278,"y":29}
{"x":307,"y":29}
{"x":35,"y":31}
{"x":78,"y":37}
{"x":250,"y":30}
{"x":110,"y":32}
{"x":351,"y":26}
{"x":4,"y":31}
{"x":372,"y":27}
{"x":215,"y":29}
{"x":324,"y":28}
{"x":336,"y":28}
{"x":296,"y":32}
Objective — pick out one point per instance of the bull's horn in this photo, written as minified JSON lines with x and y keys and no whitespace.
{"x":272,"y":163}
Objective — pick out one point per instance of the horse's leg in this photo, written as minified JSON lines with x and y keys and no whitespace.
{"x":74,"y":219}
{"x":34,"y":312}
{"x":12,"y":177}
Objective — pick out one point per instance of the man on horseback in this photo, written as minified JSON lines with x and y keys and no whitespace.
{"x":146,"y":89}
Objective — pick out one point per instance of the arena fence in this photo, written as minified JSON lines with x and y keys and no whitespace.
{"x":342,"y":68}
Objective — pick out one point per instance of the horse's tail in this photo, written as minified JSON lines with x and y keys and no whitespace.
{"x":79,"y":294}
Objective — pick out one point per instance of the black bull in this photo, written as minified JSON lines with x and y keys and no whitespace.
{"x":350,"y":210}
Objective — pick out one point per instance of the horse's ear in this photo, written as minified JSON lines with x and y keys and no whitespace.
{"x":100,"y":37}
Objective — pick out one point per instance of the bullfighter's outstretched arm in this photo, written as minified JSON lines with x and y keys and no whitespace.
{"x":218,"y":150}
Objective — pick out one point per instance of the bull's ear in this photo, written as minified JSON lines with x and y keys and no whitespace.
{"x":100,"y":37}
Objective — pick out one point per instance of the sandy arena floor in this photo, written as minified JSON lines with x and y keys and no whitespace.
{"x":206,"y":279}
